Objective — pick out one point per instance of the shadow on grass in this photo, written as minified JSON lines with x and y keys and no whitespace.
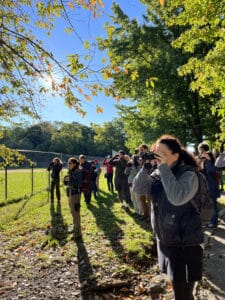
{"x":144,"y":224}
{"x":21,"y":209}
{"x":85,"y":270}
{"x":59,"y":229}
{"x":104,"y":216}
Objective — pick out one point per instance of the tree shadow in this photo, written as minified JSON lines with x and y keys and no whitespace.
{"x":19,"y":212}
{"x":59,"y":229}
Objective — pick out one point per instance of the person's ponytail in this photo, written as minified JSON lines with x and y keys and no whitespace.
{"x":187,"y":158}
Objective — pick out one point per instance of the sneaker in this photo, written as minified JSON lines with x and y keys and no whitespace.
{"x":211,"y":226}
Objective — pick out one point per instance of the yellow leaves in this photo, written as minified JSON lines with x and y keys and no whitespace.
{"x":92,"y":5}
{"x":62,"y":86}
{"x":101,"y":4}
{"x":86,"y":45}
{"x":162,"y":2}
{"x":71,"y":5}
{"x":110,"y":30}
{"x":150,"y":82}
{"x":88,"y":98}
{"x":49,"y":67}
{"x":103,"y":61}
{"x":107,"y":92}
{"x":118,"y":98}
{"x":134,"y":75}
{"x":99,"y":109}
{"x":106,"y":74}
{"x":116,"y":69}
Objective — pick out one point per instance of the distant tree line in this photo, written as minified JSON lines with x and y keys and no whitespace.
{"x":68,"y":138}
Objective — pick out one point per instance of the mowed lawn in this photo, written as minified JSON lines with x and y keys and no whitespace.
{"x":35,"y":240}
{"x":22,"y":183}
{"x":116,"y":240}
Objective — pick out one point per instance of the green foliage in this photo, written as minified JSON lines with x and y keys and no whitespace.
{"x":109,"y":136}
{"x":69,"y":138}
{"x":203,"y":23}
{"x":144,"y":68}
{"x":11,"y":158}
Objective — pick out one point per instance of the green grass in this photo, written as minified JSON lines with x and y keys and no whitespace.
{"x":20,"y":184}
{"x":109,"y":233}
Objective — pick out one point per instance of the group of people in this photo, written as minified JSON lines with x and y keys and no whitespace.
{"x":163,"y":183}
{"x":159,"y":183}
{"x":82,"y":178}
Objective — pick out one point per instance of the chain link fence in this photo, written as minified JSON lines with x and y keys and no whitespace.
{"x":25,"y":181}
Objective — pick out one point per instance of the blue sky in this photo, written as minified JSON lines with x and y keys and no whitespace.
{"x":62,"y":44}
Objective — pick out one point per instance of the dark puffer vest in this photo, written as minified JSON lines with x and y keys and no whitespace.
{"x":174,"y":225}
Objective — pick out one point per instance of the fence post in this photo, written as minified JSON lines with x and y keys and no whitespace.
{"x":6,"y":183}
{"x":49,"y":185}
{"x":32,"y":180}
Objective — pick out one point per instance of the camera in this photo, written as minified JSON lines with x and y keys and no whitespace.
{"x":66,"y":180}
{"x":149,"y":156}
{"x":129,"y":164}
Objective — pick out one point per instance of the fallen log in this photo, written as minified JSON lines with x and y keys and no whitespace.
{"x":108,"y":286}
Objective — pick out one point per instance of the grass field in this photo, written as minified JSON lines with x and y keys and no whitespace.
{"x":49,"y":224}
{"x":35,"y":240}
{"x":23,"y":183}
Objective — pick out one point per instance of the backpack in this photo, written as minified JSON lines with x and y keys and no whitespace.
{"x":202,"y":201}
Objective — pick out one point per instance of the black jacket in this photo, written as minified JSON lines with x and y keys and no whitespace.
{"x":174,"y":225}
{"x":55,"y":170}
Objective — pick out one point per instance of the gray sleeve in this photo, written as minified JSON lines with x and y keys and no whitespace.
{"x":179,"y":191}
{"x":141,"y":182}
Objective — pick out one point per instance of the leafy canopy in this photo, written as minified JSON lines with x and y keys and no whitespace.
{"x":144,"y":68}
{"x":204,"y":24}
{"x":26,"y":64}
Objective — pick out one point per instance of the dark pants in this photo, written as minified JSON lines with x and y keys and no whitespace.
{"x":214,"y":219}
{"x":183,"y":265}
{"x":55,"y":185}
{"x":123,"y":190}
{"x":94,"y":188}
{"x":110,"y":181}
{"x":87,"y":196}
{"x":183,"y":290}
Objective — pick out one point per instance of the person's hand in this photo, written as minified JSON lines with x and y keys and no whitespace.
{"x":205,"y":156}
{"x":162,"y":158}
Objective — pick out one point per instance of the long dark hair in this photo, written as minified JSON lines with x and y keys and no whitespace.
{"x":75,"y":161}
{"x":175,"y":146}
